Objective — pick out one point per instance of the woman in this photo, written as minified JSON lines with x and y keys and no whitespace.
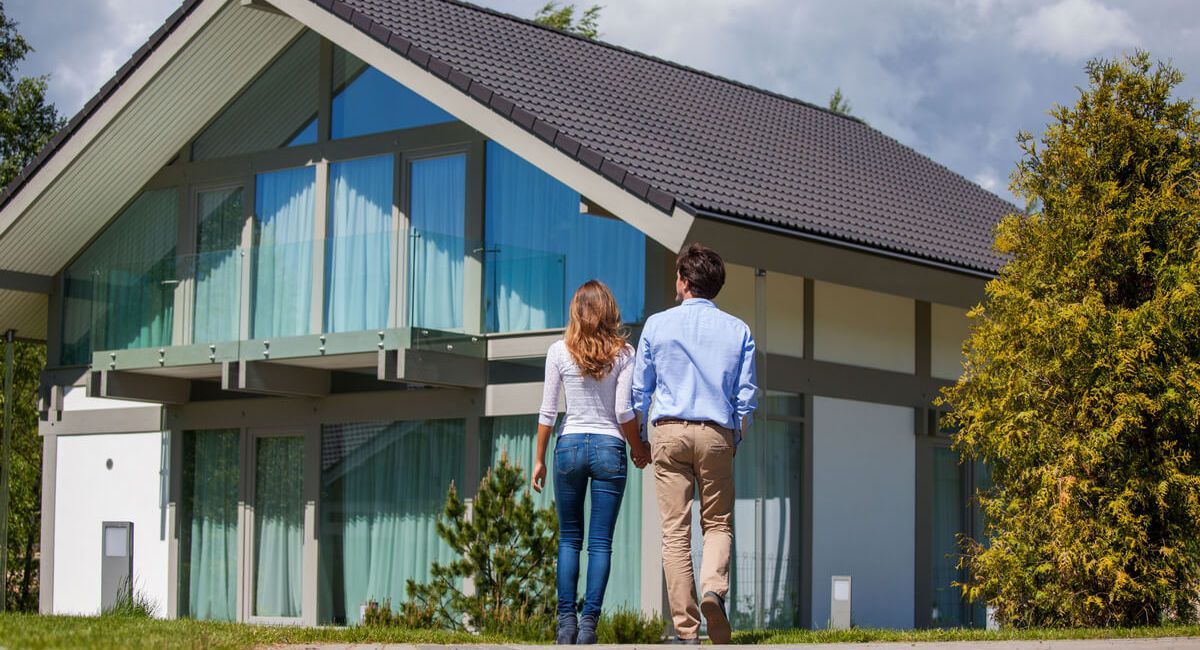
{"x":594,"y":366}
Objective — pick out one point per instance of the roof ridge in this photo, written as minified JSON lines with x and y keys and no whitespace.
{"x":657,"y":59}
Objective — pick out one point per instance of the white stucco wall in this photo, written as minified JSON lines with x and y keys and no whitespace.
{"x":785,"y":314}
{"x":863,"y":509}
{"x":863,"y":328}
{"x":75,"y":399}
{"x":87,"y":493}
{"x":948,"y":328}
{"x":737,"y":296}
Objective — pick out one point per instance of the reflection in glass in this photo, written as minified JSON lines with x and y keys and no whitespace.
{"x":218,"y":265}
{"x":383,"y":486}
{"x":272,"y":109}
{"x":278,"y":526}
{"x":358,"y":259}
{"x":436,"y":245}
{"x":948,"y":522}
{"x":283,"y":231}
{"x":120,"y":292}
{"x":367,"y":101}
{"x":208,"y":525}
{"x":540,"y":248}
{"x":516,"y":436}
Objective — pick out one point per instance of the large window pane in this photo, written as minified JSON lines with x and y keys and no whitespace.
{"x":278,"y":526}
{"x":273,"y":111}
{"x":948,"y":515}
{"x":436,"y":245}
{"x":119,"y":293}
{"x":540,"y":248}
{"x":368,"y":101}
{"x":516,"y":436}
{"x":383,"y":486}
{"x":208,"y":525}
{"x":283,"y":230}
{"x":358,"y":259}
{"x":218,"y":265}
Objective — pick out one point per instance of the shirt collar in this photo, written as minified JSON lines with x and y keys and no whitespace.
{"x":698,"y":301}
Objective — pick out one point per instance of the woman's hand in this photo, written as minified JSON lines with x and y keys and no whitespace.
{"x":639,"y":454}
{"x":539,"y":476}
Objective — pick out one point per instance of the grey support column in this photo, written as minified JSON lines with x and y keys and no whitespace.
{"x":806,"y":473}
{"x":923,"y":488}
{"x":46,"y":540}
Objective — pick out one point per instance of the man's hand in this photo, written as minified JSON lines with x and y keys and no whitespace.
{"x":639,"y":454}
{"x":539,"y":476}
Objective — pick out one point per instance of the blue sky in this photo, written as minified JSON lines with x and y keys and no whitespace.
{"x":954,"y":79}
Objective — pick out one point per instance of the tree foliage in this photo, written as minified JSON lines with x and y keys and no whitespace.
{"x":562,"y":17}
{"x":838,"y":102}
{"x":1082,"y":376}
{"x":506,"y":548}
{"x":27,"y":121}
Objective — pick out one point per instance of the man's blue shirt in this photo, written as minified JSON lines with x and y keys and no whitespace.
{"x":698,"y":363}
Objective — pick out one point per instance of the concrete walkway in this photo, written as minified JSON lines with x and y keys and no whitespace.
{"x":1084,"y":644}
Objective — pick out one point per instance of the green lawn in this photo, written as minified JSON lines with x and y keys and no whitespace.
{"x":29,"y":631}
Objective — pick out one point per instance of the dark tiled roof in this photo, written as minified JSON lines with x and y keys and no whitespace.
{"x":670,"y":134}
{"x":673,"y":135}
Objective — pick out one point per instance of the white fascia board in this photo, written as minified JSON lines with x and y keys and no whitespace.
{"x":108,"y":110}
{"x":669,"y":230}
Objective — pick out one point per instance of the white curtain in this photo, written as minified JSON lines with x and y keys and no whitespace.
{"x":436,"y":245}
{"x":211,"y":471}
{"x":358,"y":257}
{"x":278,"y":526}
{"x":283,"y":252}
{"x":217,"y":266}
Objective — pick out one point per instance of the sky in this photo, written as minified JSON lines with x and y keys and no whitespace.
{"x":954,"y":79}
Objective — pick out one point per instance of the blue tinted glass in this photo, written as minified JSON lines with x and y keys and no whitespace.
{"x":358,"y":258}
{"x":540,"y":248}
{"x":307,"y":135}
{"x":438,"y":204}
{"x":374,"y":102}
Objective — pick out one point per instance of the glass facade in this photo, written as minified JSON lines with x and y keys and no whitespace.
{"x":367,"y":101}
{"x":119,"y":293}
{"x":208,"y":533}
{"x":540,"y":248}
{"x":283,"y":233}
{"x":278,"y":526}
{"x":275,"y":110}
{"x":358,"y":256}
{"x":516,"y":436}
{"x":383,"y":486}
{"x":437,"y":209}
{"x":217,"y":265}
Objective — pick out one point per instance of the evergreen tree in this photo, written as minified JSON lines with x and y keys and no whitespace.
{"x":1082,"y":377}
{"x":838,"y":102}
{"x":506,"y":548}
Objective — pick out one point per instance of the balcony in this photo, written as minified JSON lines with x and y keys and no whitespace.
{"x":283,"y":318}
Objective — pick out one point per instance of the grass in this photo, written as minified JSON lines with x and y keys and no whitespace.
{"x":31,"y":631}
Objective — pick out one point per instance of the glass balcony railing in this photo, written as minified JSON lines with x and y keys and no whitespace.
{"x":524,"y":289}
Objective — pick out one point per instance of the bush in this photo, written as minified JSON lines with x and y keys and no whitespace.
{"x":628,"y":626}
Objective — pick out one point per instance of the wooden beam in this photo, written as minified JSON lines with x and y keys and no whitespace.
{"x":432,"y":368}
{"x":270,"y":378}
{"x":120,"y":384}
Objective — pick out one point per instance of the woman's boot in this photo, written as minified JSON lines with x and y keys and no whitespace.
{"x":587,"y":630}
{"x":568,"y":629}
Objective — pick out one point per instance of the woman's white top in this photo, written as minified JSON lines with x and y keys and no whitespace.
{"x":593,"y":405}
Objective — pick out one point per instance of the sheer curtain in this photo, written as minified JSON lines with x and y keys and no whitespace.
{"x":217,"y":265}
{"x":540,"y":248}
{"x":358,"y":257}
{"x":517,"y":437}
{"x":278,"y":526}
{"x":383,"y":487}
{"x":118,"y":293}
{"x":948,"y":522}
{"x":209,"y":565}
{"x":438,"y":208}
{"x":283,"y":232}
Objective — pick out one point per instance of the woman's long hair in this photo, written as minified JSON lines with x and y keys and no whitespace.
{"x":595,"y":337}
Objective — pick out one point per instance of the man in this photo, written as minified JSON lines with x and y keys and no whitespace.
{"x":698,"y":364}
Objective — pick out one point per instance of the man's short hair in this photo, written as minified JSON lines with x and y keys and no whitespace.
{"x":702,"y":269}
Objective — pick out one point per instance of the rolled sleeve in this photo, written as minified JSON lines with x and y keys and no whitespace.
{"x":548,"y":413}
{"x":644,"y":377}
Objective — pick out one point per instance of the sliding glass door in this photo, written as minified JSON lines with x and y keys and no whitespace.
{"x":275,"y":558}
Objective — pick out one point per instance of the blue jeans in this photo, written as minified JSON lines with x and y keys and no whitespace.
{"x":577,"y":458}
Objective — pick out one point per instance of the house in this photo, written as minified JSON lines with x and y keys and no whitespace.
{"x":298,"y":264}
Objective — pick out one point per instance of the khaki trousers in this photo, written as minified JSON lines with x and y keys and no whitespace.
{"x":686,"y":455}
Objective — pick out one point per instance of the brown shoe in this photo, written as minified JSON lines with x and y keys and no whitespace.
{"x":713,"y":608}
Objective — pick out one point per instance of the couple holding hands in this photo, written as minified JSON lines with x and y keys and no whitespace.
{"x":695,"y":363}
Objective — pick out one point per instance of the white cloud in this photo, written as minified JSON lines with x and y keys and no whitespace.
{"x":1074,"y":30}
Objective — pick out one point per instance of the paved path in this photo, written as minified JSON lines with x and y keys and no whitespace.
{"x":1190,"y":643}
